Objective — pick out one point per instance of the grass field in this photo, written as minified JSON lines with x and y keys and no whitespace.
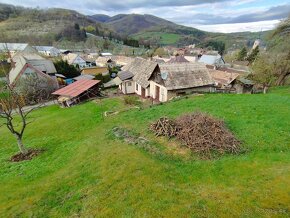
{"x":165,"y":38}
{"x":87,"y":172}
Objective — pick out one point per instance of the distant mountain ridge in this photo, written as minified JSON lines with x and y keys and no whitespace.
{"x":132,"y":23}
{"x":46,"y":26}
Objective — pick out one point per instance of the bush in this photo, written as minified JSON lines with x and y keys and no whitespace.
{"x":132,"y":100}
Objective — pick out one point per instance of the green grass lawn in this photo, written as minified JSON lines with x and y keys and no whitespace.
{"x":165,"y":38}
{"x":87,"y":172}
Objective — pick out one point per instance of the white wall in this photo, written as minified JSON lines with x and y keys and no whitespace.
{"x":127,"y":87}
{"x":137,"y":91}
{"x":163,"y":94}
{"x":81,"y":62}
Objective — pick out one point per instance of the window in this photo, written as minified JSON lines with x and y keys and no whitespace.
{"x":136,"y":87}
{"x":129,"y":84}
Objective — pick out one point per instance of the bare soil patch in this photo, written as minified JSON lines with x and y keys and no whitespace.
{"x":29,"y":156}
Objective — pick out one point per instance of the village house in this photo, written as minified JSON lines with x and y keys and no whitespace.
{"x":106,"y":54}
{"x":214,"y":60}
{"x":142,"y":70}
{"x":94,"y":71}
{"x":177,"y":59}
{"x":13,"y":48}
{"x":179,"y":79}
{"x":31,"y":65}
{"x":75,"y":59}
{"x":104,"y":62}
{"x":77,"y":92}
{"x":49,"y":51}
{"x":191,"y":59}
{"x":159,"y":59}
{"x":84,"y":77}
{"x":112,"y":61}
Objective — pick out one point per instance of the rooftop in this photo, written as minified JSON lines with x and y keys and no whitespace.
{"x":76,"y":88}
{"x":187,"y":75}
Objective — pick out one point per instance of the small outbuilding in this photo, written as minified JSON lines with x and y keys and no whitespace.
{"x":77,"y":92}
{"x":125,"y":83}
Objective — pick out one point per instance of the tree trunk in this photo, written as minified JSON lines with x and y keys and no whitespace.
{"x":282,"y":78}
{"x":265,"y":89}
{"x":21,"y":147}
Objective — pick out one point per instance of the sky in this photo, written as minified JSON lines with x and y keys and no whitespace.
{"x":209,"y":15}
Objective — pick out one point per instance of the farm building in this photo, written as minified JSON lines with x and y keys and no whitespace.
{"x":77,"y":92}
{"x":48,"y":50}
{"x":179,"y":79}
{"x":223,"y":80}
{"x":242,"y":86}
{"x":142,"y":70}
{"x":231,"y":82}
{"x":94,"y":71}
{"x":32,"y":66}
{"x":13,"y":48}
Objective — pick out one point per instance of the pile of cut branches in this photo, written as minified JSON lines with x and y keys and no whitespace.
{"x":164,"y":127}
{"x":203,"y":134}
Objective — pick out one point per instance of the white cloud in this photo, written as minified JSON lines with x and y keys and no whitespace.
{"x":239,"y":27}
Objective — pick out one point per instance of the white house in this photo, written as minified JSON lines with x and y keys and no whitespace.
{"x":75,"y":59}
{"x":13,"y":48}
{"x":31,"y":65}
{"x":142,"y":70}
{"x":48,"y":50}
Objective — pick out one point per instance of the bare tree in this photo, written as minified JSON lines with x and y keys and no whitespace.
{"x":15,"y":105}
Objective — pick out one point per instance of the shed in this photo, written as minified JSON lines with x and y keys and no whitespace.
{"x":125,"y":82}
{"x":77,"y":92}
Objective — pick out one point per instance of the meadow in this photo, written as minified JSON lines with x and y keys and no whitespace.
{"x":86,"y":172}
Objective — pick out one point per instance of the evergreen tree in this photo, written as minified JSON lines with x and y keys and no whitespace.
{"x":254,"y":54}
{"x":242,"y":54}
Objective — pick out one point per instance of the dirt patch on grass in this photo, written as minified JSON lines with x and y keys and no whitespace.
{"x":29,"y":156}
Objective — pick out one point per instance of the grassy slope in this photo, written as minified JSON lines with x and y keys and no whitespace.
{"x":86,"y":172}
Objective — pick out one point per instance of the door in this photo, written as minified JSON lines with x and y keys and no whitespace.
{"x":157,"y":93}
{"x":143,"y":91}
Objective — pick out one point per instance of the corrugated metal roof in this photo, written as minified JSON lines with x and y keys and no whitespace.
{"x":211,"y":59}
{"x":13,"y":46}
{"x":76,"y":88}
